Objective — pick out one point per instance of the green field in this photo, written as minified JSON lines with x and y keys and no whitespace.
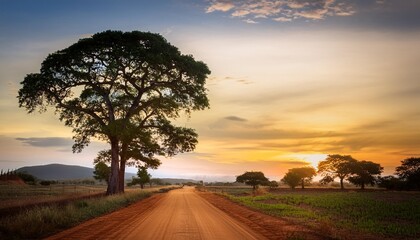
{"x":384,"y":214}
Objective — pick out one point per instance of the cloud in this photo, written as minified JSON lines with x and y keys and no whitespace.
{"x":250,"y":21}
{"x":220,"y":5}
{"x":282,"y":10}
{"x":235,"y":118}
{"x":47,"y":142}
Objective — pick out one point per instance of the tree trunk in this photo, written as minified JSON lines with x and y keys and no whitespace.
{"x":141,"y":185}
{"x":341,"y":183}
{"x":121,"y":176}
{"x":303,"y":183}
{"x":123,"y":160}
{"x":113,"y":186}
{"x":363,"y":186}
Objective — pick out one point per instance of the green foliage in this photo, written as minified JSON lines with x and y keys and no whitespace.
{"x":122,"y":87}
{"x":336,"y":166}
{"x":143,"y":177}
{"x":363,"y":173}
{"x":292,"y":179}
{"x":299,"y":175}
{"x":409,"y":172}
{"x":273,"y":184}
{"x":101,"y":171}
{"x":26,"y":177}
{"x":253,"y":179}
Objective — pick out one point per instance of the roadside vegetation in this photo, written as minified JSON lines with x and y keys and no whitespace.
{"x":344,"y":211}
{"x":337,"y":213}
{"x":41,"y":221}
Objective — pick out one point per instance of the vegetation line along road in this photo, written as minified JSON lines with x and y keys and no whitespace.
{"x":44,"y":220}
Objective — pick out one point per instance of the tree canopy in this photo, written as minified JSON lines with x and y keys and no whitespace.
{"x":300,"y":175}
{"x":409,"y":172}
{"x":123,"y":88}
{"x":364,"y":172}
{"x":253,"y":179}
{"x":292,"y":179}
{"x":336,"y":166}
{"x":101,"y":171}
{"x":143,"y":177}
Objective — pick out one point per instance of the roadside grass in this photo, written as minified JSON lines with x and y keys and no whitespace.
{"x":380,"y":213}
{"x":42,"y":221}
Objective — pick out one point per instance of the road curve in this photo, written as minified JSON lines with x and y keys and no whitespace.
{"x":179,"y":214}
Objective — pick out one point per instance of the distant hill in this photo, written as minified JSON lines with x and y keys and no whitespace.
{"x":61,"y":172}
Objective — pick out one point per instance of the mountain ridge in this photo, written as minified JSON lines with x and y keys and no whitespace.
{"x":57,"y":171}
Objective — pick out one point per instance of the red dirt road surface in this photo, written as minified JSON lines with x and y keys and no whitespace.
{"x":178,"y":214}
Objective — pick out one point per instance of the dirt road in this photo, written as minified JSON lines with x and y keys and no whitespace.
{"x":179,"y":214}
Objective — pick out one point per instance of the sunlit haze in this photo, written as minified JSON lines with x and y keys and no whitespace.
{"x":291,"y":81}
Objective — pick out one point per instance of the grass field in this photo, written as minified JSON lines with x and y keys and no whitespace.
{"x":22,"y":195}
{"x":384,"y":214}
{"x":38,"y":222}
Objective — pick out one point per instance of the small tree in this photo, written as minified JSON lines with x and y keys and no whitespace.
{"x":143,"y":177}
{"x":253,"y":179}
{"x":409,"y":172}
{"x":365,"y":172}
{"x":336,"y":166}
{"x":101,"y":172}
{"x":299,"y":175}
{"x":273,"y":184}
{"x":391,"y":183}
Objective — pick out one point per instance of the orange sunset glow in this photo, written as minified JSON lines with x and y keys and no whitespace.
{"x":289,"y":84}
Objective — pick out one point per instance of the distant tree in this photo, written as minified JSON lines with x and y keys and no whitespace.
{"x":143,"y":177}
{"x":156,"y":181}
{"x":364,"y":173}
{"x":253,"y":179}
{"x":292,"y":179}
{"x":273,"y":184}
{"x":391,"y":183}
{"x":304,"y":174}
{"x":409,"y":171}
{"x":123,"y":88}
{"x":101,"y":172}
{"x":27,"y":178}
{"x":336,"y":166}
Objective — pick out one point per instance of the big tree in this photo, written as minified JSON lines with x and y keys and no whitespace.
{"x":336,"y":166}
{"x":365,"y":172}
{"x":409,"y":172}
{"x":124,"y":88}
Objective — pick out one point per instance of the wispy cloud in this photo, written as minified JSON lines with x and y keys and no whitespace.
{"x":235,"y":118}
{"x":282,"y":10}
{"x":220,"y":5}
{"x":47,"y":142}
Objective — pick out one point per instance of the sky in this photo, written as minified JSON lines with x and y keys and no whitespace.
{"x":292,"y":80}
